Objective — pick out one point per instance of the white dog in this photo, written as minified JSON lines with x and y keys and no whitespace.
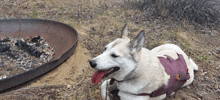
{"x":139,"y":73}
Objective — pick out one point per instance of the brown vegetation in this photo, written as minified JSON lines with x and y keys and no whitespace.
{"x":99,"y":22}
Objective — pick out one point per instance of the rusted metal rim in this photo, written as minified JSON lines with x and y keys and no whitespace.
{"x":61,"y":37}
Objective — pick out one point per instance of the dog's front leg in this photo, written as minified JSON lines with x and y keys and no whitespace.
{"x":106,"y":88}
{"x":129,"y":96}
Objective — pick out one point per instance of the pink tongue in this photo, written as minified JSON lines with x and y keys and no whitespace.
{"x":97,"y":77}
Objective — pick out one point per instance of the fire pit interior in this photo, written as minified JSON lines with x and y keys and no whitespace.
{"x":57,"y":41}
{"x":18,"y":55}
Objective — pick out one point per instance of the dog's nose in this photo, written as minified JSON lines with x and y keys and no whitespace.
{"x":92,"y":63}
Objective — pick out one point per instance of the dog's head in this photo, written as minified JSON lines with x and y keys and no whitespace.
{"x":119,"y":57}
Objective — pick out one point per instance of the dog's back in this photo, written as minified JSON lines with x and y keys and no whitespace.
{"x":172,"y":50}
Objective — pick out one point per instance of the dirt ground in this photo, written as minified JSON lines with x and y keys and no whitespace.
{"x":68,"y":72}
{"x":98,"y":22}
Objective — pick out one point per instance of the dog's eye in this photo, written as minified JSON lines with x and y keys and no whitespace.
{"x":105,"y":49}
{"x":114,"y":56}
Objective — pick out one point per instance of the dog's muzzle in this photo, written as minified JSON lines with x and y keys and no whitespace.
{"x":92,"y":63}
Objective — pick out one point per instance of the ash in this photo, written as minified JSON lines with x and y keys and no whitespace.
{"x":18,"y":55}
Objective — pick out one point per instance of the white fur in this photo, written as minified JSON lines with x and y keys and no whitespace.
{"x":140,"y":70}
{"x":104,"y":87}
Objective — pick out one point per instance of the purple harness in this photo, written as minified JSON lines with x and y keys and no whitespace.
{"x":178,"y":72}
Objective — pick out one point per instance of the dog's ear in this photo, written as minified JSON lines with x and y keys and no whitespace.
{"x":124,"y":31}
{"x":137,"y":43}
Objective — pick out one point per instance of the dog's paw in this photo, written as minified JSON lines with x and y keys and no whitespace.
{"x":172,"y":93}
{"x":114,"y":95}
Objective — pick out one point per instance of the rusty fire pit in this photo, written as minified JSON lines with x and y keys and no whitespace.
{"x":61,"y":37}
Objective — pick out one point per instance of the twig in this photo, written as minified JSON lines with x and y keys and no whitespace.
{"x":195,"y":97}
{"x":79,"y":82}
{"x":216,"y":55}
{"x":74,"y":88}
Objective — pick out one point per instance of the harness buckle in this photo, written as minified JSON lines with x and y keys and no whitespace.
{"x":182,"y":76}
{"x":177,"y":76}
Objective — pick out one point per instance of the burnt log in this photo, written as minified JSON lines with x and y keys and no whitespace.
{"x":4,"y":40}
{"x":35,"y":39}
{"x":4,"y":47}
{"x":30,"y":49}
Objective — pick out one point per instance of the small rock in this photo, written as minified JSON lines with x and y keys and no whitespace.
{"x":204,"y":32}
{"x":93,"y":29}
{"x":68,"y":86}
{"x":3,"y":77}
{"x":218,"y":51}
{"x":201,"y":70}
{"x":214,"y":32}
{"x":216,"y":87}
{"x":2,"y":63}
{"x":53,"y":90}
{"x":218,"y":78}
{"x":218,"y":92}
{"x":201,"y":93}
{"x":204,"y":73}
{"x":9,"y":69}
{"x":208,"y":89}
{"x":210,"y":53}
{"x":208,"y":79}
{"x":136,"y":22}
{"x":188,"y":87}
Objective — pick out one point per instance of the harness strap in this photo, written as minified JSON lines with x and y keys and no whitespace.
{"x":145,"y":94}
{"x":153,"y":93}
{"x":181,"y":77}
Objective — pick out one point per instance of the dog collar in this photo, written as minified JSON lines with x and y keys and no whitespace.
{"x":113,"y":80}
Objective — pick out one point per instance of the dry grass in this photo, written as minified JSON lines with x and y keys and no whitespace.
{"x":205,"y":12}
{"x":99,"y":22}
